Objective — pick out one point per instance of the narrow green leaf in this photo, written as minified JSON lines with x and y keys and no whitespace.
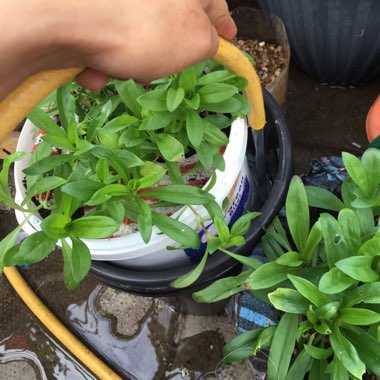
{"x":46,"y":184}
{"x":268,"y":275}
{"x":228,"y":106}
{"x":312,"y":242}
{"x":180,"y":194}
{"x":289,"y":301}
{"x":297,"y":213}
{"x":291,"y":259}
{"x":346,"y":353}
{"x":366,"y":220}
{"x":213,"y":135}
{"x":322,"y":328}
{"x":272,"y":249}
{"x":36,"y":247}
{"x":309,"y":291}
{"x":282,"y":347}
{"x":370,"y":247}
{"x":170,"y":148}
{"x":250,"y":262}
{"x":158,"y":120}
{"x":129,"y":91}
{"x":192,"y":276}
{"x":193,"y":102}
{"x":335,"y":281}
{"x":55,"y":226}
{"x":5,"y":194}
{"x":144,"y":220}
{"x":334,"y":242}
{"x":356,"y":171}
{"x":339,"y":372}
{"x":205,"y":154}
{"x":194,"y":128}
{"x":351,"y":229}
{"x":221,"y":229}
{"x":47,"y":164}
{"x":243,"y":345}
{"x":73,"y":133}
{"x":317,"y":371}
{"x":347,"y":190}
{"x":174,"y":98}
{"x":77,"y":262}
{"x":357,"y":316}
{"x":187,"y":79}
{"x":214,"y":77}
{"x":318,"y":353}
{"x":120,"y":160}
{"x":243,"y":224}
{"x":107,"y":192}
{"x":93,"y":227}
{"x":119,"y":123}
{"x":358,"y":267}
{"x":66,"y":105}
{"x":132,"y":137}
{"x":322,"y":198}
{"x":151,"y":175}
{"x":154,"y":100}
{"x":83,"y":189}
{"x":367,"y":346}
{"x":327,"y":311}
{"x":265,"y":339}
{"x":367,"y":293}
{"x":8,"y":242}
{"x":81,"y":259}
{"x":222,"y":289}
{"x":44,"y":122}
{"x":300,"y":366}
{"x":371,"y":163}
{"x":276,"y":232}
{"x":216,"y":92}
{"x":11,"y":257}
{"x":176,"y":230}
{"x":116,"y":210}
{"x":109,"y":140}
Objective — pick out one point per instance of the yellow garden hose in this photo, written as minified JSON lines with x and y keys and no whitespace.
{"x":27,"y":96}
{"x":54,"y":325}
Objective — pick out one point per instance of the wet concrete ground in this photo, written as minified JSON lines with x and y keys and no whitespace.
{"x":145,"y":338}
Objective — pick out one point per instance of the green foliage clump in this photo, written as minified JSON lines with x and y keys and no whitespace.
{"x":323,"y":278}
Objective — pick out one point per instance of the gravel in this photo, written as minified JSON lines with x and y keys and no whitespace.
{"x":270,"y":58}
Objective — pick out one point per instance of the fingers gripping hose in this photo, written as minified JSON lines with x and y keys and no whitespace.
{"x":31,"y":92}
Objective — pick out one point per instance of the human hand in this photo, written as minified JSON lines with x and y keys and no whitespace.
{"x":139,"y":39}
{"x":156,"y":39}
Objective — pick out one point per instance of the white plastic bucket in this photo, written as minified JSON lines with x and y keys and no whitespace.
{"x":131,"y":251}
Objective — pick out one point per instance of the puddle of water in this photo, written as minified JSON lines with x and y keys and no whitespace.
{"x":141,"y":356}
{"x":47,"y":360}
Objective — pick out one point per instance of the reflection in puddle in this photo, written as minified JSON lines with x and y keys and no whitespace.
{"x":36,"y":352}
{"x":134,"y":357}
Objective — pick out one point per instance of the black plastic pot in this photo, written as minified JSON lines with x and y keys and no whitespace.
{"x":334,"y":41}
{"x":269,"y":155}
